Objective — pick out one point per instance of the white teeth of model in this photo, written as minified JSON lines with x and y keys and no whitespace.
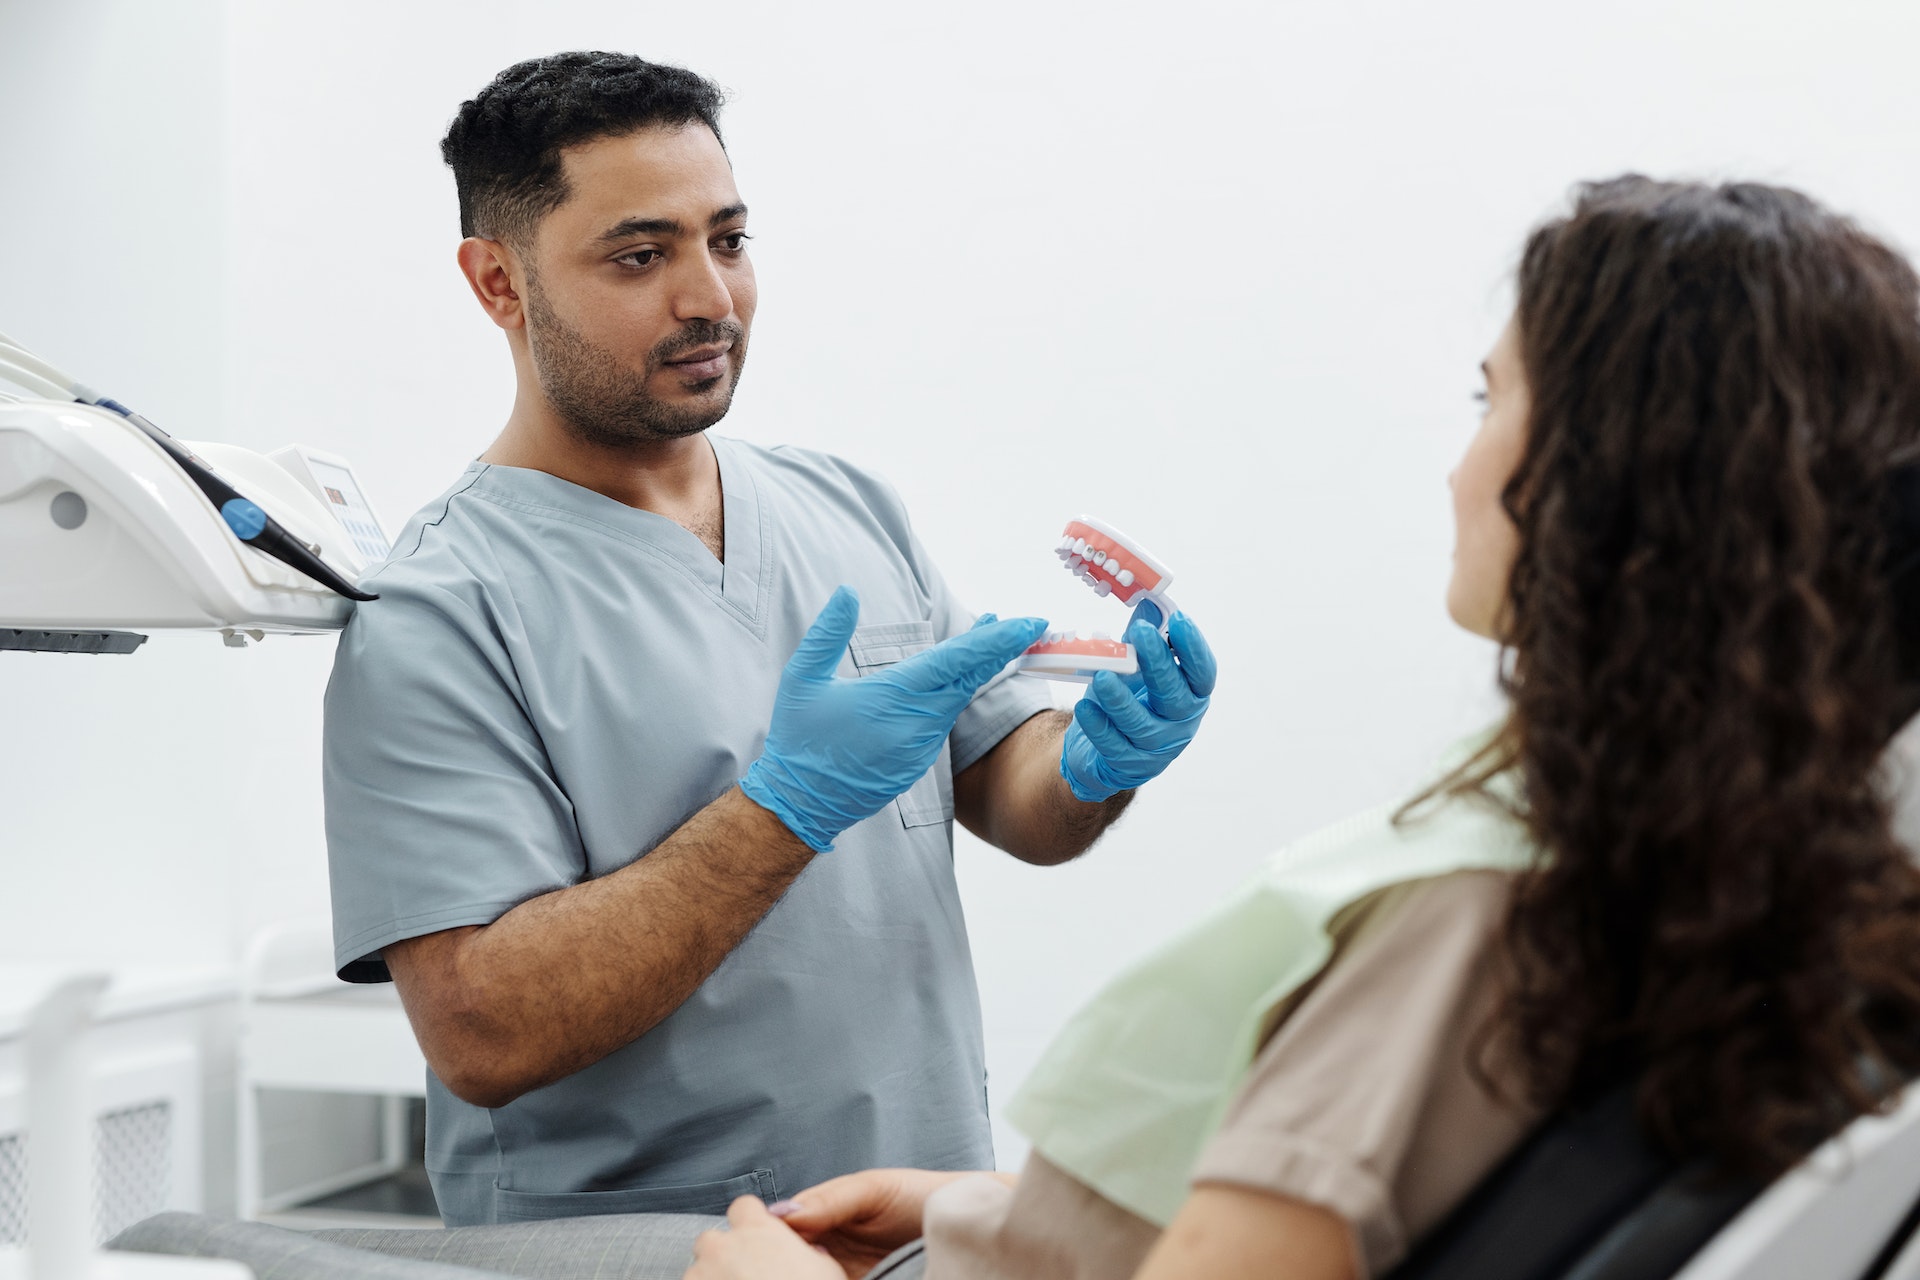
{"x":1102,"y":589}
{"x":1080,"y":546}
{"x":1126,"y":577}
{"x":1099,"y":557}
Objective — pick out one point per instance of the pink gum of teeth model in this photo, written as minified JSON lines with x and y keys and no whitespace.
{"x":1075,"y":656}
{"x":1114,"y":564}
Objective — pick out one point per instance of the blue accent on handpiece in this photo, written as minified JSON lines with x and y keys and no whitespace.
{"x":244,"y":518}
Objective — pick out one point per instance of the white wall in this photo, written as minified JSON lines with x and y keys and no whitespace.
{"x":117,"y":774}
{"x":1219,"y":272}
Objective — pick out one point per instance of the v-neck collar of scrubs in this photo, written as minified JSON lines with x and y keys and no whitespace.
{"x":742,"y":582}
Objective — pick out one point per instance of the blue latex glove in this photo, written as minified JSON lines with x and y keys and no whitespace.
{"x":1124,"y":735}
{"x":837,"y":750}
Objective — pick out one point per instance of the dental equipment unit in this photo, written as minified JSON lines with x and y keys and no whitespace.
{"x":109,"y":523}
{"x":1113,"y":565}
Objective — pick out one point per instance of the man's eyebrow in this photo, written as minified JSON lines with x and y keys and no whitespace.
{"x":627,"y":228}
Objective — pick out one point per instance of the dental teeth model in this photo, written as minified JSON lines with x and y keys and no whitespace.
{"x":1113,"y":565}
{"x":1074,"y":656}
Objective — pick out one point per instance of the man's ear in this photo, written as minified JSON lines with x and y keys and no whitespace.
{"x":493,"y":271}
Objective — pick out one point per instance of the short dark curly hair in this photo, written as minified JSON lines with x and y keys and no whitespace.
{"x":505,"y":142}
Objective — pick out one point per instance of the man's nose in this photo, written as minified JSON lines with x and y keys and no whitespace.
{"x":700,"y":291}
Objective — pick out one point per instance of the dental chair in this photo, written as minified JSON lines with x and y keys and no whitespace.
{"x":1583,"y":1199}
{"x":1586,"y":1198}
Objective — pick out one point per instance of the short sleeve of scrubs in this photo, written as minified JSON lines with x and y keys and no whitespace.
{"x":449,"y":814}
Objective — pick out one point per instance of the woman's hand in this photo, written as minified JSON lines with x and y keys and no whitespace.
{"x":757,"y":1246}
{"x":862,"y":1217}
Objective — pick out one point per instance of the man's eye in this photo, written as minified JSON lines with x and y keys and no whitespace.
{"x":734,"y":241}
{"x":639,"y":257}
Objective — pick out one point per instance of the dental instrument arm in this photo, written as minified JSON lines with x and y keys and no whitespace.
{"x":244,"y":517}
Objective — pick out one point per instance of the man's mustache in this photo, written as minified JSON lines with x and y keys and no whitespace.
{"x":698,"y":333}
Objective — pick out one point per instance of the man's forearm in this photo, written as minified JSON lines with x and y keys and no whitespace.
{"x":1015,"y":798}
{"x":565,"y":979}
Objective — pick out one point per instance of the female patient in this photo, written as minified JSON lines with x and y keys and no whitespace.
{"x":1673,"y":519}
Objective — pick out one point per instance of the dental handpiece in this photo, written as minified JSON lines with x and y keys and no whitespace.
{"x":243,"y":516}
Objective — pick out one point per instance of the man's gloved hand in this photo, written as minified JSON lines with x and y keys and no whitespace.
{"x":838,"y":750}
{"x":1123,"y":736}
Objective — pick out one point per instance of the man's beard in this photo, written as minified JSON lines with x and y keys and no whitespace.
{"x":606,"y":403}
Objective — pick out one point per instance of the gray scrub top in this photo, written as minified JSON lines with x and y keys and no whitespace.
{"x":549,"y":684}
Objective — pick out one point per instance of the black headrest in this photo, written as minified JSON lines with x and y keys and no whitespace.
{"x":1903,"y":566}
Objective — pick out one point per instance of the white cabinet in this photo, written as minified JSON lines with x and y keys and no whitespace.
{"x":147,"y":1092}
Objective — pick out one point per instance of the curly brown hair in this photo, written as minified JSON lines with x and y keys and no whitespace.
{"x":1699,"y":654}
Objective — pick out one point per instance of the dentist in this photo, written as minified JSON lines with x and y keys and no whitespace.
{"x":640,"y":773}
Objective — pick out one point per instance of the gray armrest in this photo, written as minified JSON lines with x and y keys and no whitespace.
{"x":283,"y":1254}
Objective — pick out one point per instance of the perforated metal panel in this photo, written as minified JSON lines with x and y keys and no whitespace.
{"x":132,"y":1171}
{"x":13,"y":1189}
{"x":132,"y":1166}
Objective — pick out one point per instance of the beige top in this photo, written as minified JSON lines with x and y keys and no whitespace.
{"x":1362,"y":1101}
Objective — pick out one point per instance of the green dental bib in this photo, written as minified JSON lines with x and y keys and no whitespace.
{"x":1128,"y":1094}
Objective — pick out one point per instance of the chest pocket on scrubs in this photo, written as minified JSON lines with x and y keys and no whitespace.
{"x":930,"y":800}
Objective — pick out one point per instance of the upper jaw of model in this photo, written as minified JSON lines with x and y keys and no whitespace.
{"x":1114,"y":564}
